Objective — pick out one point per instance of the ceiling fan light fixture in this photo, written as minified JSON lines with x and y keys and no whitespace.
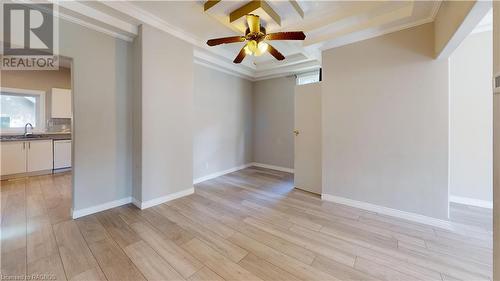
{"x":252,"y":46}
{"x":256,"y":49}
{"x":262,"y":46}
{"x":247,"y":50}
{"x":255,"y":36}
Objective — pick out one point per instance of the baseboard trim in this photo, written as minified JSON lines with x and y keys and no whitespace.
{"x":221,"y":173}
{"x":99,"y":208}
{"x":272,"y":167}
{"x":471,"y":202}
{"x":157,"y":201}
{"x":387,"y":211}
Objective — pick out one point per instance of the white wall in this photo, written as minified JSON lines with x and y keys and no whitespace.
{"x":471,"y":119}
{"x":222,"y":122}
{"x":167,"y":114}
{"x":102,"y":114}
{"x":274,"y":121}
{"x":385,"y":122}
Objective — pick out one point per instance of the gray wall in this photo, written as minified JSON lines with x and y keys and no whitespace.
{"x":496,"y":144}
{"x":102,"y":114}
{"x":385,"y":122}
{"x":471,"y":118}
{"x":167,"y":114}
{"x":137,"y":118}
{"x":274,"y":121}
{"x":222,"y":122}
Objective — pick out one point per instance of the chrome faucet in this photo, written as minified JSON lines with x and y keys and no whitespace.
{"x":26,"y":129}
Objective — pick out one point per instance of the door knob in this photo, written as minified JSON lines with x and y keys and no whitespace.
{"x":296,"y":132}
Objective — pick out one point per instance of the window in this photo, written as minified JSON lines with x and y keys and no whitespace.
{"x":308,"y":77}
{"x":19,"y":106}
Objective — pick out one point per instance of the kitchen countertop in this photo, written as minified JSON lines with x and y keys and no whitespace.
{"x":43,"y":136}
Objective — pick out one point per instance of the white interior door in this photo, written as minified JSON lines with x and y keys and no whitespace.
{"x":308,"y":137}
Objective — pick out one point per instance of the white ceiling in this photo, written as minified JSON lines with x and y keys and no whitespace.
{"x":327,"y":24}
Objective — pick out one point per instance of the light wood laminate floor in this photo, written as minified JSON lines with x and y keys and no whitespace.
{"x":248,"y":225}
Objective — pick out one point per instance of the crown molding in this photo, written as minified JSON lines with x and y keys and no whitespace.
{"x":208,"y":59}
{"x":97,"y":15}
{"x":95,"y":27}
{"x":221,"y":69}
{"x":287,"y":70}
{"x":150,"y":19}
{"x":435,"y":9}
{"x":371,"y":35}
{"x":77,"y":7}
{"x":217,"y":59}
{"x":133,"y":11}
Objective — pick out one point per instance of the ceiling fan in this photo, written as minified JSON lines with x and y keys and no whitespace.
{"x":255,"y":36}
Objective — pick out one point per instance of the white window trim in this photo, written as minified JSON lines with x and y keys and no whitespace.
{"x":40,"y":126}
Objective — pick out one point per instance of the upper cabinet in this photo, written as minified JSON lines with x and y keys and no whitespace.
{"x":61,"y":103}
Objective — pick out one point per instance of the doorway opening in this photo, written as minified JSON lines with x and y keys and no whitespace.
{"x":471,"y":128}
{"x":36,"y":114}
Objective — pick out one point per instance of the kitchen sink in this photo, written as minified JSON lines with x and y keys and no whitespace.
{"x":21,"y":137}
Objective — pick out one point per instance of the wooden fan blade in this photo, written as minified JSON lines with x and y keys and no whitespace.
{"x":241,"y":55}
{"x":275,"y":53}
{"x":225,"y":40}
{"x":290,"y":35}
{"x":253,"y":23}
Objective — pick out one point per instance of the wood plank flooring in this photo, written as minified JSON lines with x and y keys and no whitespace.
{"x":247,"y":225}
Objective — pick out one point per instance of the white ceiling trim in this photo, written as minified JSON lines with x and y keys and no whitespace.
{"x":131,"y":10}
{"x":349,"y":40}
{"x":217,"y":58}
{"x":61,"y":15}
{"x":98,"y":15}
{"x":435,"y":9}
{"x":288,"y":70}
{"x":94,"y":27}
{"x":207,"y":59}
{"x":143,"y":16}
{"x":355,"y":24}
{"x":473,"y":18}
{"x":221,"y":69}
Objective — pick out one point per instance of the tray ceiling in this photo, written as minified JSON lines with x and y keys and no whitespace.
{"x":327,"y":24}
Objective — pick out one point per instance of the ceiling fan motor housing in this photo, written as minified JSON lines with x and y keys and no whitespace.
{"x":255,"y":36}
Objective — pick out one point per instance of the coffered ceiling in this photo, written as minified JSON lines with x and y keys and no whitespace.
{"x":327,"y":24}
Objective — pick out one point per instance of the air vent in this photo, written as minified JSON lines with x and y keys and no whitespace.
{"x":496,"y":84}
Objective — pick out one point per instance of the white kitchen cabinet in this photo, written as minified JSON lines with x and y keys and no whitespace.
{"x":62,"y":154}
{"x":61,"y":103}
{"x":39,"y":155}
{"x":19,"y":157}
{"x":13,"y":157}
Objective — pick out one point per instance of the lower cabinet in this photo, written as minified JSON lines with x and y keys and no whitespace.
{"x":25,"y":156}
{"x":39,"y":155}
{"x":13,"y":155}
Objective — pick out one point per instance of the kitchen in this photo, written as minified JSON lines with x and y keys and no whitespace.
{"x":36,"y":121}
